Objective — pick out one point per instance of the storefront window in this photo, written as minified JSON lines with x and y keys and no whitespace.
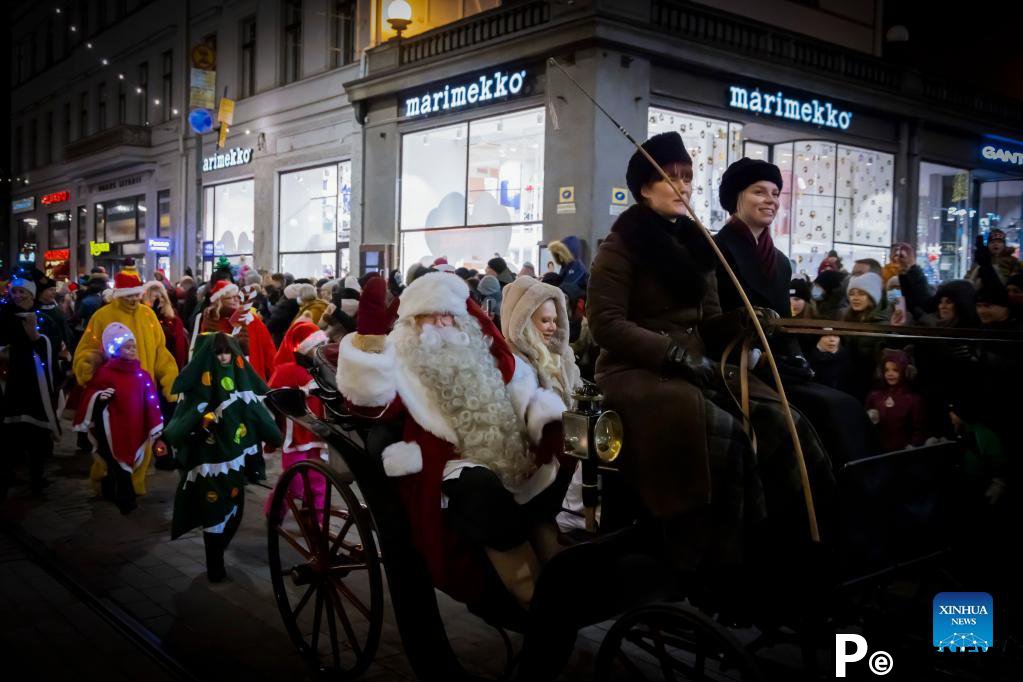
{"x":315,"y":219}
{"x":756,"y":150}
{"x":27,"y":241}
{"x":60,"y":230}
{"x":713,"y":144}
{"x":835,"y":197}
{"x":163,"y":223}
{"x":484,"y":179}
{"x":230,"y":219}
{"x":120,"y":220}
{"x":943,"y":222}
{"x":1001,"y":206}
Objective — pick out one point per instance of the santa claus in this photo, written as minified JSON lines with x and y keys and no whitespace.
{"x":227,"y":314}
{"x":475,"y":467}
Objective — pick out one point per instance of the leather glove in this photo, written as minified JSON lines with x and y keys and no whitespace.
{"x":794,"y":368}
{"x":696,"y":369}
{"x":766,"y":316}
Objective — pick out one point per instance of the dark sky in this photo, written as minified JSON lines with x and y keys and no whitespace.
{"x":975,"y":42}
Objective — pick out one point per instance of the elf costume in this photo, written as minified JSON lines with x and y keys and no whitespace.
{"x":299,"y":442}
{"x":130,"y":422}
{"x":219,"y":420}
{"x":153,"y":355}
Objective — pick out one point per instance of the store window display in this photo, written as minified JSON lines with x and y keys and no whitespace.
{"x":315,"y":220}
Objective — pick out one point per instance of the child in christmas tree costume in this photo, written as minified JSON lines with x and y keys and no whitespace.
{"x":220,"y":420}
{"x":303,"y":337}
{"x":131,"y":421}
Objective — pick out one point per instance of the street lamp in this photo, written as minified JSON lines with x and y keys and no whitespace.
{"x":399,"y":15}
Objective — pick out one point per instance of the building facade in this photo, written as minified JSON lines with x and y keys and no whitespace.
{"x":351,"y":150}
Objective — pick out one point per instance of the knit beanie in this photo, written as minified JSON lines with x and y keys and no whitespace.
{"x":869,"y":282}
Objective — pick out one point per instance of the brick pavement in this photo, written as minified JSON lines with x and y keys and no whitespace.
{"x":212,"y":629}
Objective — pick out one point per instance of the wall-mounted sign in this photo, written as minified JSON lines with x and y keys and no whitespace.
{"x":96,"y":248}
{"x":57,"y":254}
{"x":1001,"y":151}
{"x":232,"y":157}
{"x":465,"y":92}
{"x":207,"y":250}
{"x":55,"y":198}
{"x":160,"y":244}
{"x":813,"y":111}
{"x":24,"y":204}
{"x":116,"y":184}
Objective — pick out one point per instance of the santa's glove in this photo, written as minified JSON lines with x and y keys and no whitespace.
{"x":694,"y":368}
{"x":374,"y":319}
{"x":552,"y":443}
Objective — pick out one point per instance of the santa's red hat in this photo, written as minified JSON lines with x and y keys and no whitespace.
{"x":127,"y":282}
{"x":221,"y":289}
{"x":374,"y":317}
{"x":302,"y":337}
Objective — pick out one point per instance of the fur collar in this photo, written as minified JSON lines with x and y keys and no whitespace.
{"x":675,"y":254}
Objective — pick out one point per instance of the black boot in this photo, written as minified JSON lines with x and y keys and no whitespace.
{"x":215,"y":571}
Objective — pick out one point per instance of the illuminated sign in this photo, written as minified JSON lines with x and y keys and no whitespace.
{"x":207,"y":250}
{"x":463,"y":93}
{"x":778,"y":104}
{"x":22,"y":205}
{"x":96,"y":248}
{"x":1002,"y":151}
{"x":160,"y":245}
{"x":234,"y":157}
{"x":57,"y":254}
{"x":55,"y":198}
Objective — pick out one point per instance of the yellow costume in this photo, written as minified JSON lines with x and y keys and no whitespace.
{"x":153,"y":357}
{"x":314,"y":308}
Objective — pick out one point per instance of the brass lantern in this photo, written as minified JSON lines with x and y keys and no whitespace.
{"x":591,"y":432}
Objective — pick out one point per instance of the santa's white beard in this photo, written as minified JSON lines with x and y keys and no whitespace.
{"x":456,"y":367}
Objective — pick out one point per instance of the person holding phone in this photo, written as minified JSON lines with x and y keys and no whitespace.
{"x":31,"y":342}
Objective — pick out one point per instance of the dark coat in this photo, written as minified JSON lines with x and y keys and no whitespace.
{"x":653,"y":282}
{"x":281,"y":317}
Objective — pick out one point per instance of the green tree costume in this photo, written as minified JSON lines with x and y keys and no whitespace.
{"x":219,"y":420}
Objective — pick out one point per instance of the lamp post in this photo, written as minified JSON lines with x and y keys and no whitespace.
{"x":399,"y":16}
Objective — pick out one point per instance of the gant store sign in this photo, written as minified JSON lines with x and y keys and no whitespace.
{"x":811,"y":110}
{"x":1001,"y":151}
{"x":496,"y":85}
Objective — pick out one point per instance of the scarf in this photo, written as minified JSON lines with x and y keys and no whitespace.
{"x":764,"y":247}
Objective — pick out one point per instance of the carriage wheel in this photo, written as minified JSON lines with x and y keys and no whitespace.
{"x":672,"y":642}
{"x":325,"y":570}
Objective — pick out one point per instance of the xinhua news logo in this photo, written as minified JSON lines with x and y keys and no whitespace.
{"x":963,"y":622}
{"x":879,"y":662}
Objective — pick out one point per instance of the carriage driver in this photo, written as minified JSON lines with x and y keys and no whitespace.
{"x":654,"y":311}
{"x":475,"y":467}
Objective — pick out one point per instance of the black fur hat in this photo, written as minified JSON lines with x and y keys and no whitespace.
{"x":741,"y":175}
{"x":664,"y":148}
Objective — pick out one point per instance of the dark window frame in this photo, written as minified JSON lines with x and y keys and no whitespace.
{"x":83,"y":115}
{"x":30,"y":144}
{"x":122,"y":103}
{"x":163,"y":197}
{"x":168,"y":84}
{"x":342,"y":33}
{"x":143,"y":83}
{"x":291,"y":41}
{"x":67,"y":122}
{"x":47,"y":157}
{"x":247,"y":57}
{"x":101,"y":107}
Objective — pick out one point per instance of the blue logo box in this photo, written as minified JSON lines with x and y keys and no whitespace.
{"x":963,"y":622}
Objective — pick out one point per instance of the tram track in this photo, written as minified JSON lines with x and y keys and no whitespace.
{"x":124,"y":623}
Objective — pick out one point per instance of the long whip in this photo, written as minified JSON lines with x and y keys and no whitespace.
{"x":786,"y":409}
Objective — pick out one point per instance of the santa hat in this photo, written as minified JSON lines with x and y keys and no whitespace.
{"x":441,"y":265}
{"x":127,"y":282}
{"x":375,"y":317}
{"x":223,"y":288}
{"x":115,"y":335}
{"x":301,"y":337}
{"x":434,"y":292}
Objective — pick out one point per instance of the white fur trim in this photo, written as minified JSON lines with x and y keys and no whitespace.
{"x":130,"y":291}
{"x":522,"y":386}
{"x":367,"y":379}
{"x":544,"y":408}
{"x":312,"y":341}
{"x":229,"y":290}
{"x":350,"y":306}
{"x":434,"y":292}
{"x":402,"y":458}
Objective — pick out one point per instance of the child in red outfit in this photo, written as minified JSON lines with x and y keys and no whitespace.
{"x":896,"y":409}
{"x":131,"y":418}
{"x":302,"y":337}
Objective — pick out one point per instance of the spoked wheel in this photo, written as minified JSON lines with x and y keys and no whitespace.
{"x":325,"y":570}
{"x":672,"y":642}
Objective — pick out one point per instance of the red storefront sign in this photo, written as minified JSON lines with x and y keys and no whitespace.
{"x":57,"y":254}
{"x":55,"y":198}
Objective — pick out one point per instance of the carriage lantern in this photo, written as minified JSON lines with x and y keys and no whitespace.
{"x":591,"y":432}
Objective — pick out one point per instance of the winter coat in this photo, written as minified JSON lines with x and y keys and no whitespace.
{"x":313,"y":309}
{"x":653,"y":282}
{"x":901,"y":419}
{"x":864,"y":352}
{"x":132,"y":418}
{"x":30,"y":393}
{"x":176,"y":339}
{"x":91,"y":300}
{"x":573,"y":270}
{"x":153,"y":355}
